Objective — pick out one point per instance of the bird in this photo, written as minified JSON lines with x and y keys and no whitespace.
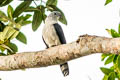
{"x":53,"y":35}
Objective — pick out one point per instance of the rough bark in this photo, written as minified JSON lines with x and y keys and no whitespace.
{"x":84,"y":46}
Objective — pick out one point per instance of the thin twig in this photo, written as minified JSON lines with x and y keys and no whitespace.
{"x":35,"y":3}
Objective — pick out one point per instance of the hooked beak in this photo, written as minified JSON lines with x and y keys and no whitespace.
{"x":60,"y":16}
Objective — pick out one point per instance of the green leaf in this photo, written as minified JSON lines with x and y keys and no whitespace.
{"x":6,"y":47}
{"x":1,"y":1}
{"x":109,"y":59}
{"x":119,"y":28}
{"x":21,"y":8}
{"x":14,"y":35}
{"x":26,"y":22}
{"x":8,"y":32}
{"x":1,"y":38}
{"x":115,"y":59}
{"x":27,"y":17}
{"x":37,"y":20}
{"x":3,"y":17}
{"x":112,"y":67}
{"x":52,"y":2}
{"x":118,"y":75}
{"x":118,"y":62}
{"x":2,"y":54}
{"x":114,"y":33}
{"x":16,"y":31}
{"x":111,"y":76}
{"x":22,"y":38}
{"x":44,"y":16}
{"x":13,"y":47}
{"x":2,"y":26}
{"x":106,"y":70}
{"x":19,"y":19}
{"x":104,"y":55}
{"x":10,"y":12}
{"x":4,"y":2}
{"x":107,"y":2}
{"x":42,"y":8}
{"x":22,"y":18}
{"x":54,"y":8}
{"x":31,"y":9}
{"x":2,"y":49}
{"x":109,"y":31}
{"x":105,"y":77}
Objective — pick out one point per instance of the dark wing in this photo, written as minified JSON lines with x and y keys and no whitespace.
{"x":60,"y":33}
{"x":64,"y":67}
{"x":45,"y":42}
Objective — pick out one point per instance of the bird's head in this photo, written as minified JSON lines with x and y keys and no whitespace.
{"x":53,"y":17}
{"x":56,"y":15}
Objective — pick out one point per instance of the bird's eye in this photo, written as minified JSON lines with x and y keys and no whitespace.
{"x":54,"y":13}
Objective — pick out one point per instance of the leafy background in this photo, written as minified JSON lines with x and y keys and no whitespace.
{"x":12,"y":22}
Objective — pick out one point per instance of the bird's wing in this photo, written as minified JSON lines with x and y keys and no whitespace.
{"x":45,"y":42}
{"x":64,"y":67}
{"x":60,"y":33}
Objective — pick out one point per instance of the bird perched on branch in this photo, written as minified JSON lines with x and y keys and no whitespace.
{"x":53,"y":35}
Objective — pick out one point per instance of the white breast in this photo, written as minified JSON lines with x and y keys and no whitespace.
{"x":50,"y":35}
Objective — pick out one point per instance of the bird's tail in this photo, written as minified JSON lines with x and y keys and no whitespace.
{"x":65,"y":69}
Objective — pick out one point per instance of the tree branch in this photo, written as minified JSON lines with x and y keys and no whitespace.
{"x":84,"y":46}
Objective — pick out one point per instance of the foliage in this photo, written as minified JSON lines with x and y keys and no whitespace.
{"x":40,"y":13}
{"x":114,"y":71}
{"x":14,"y":20}
{"x":108,"y":1}
{"x":21,"y":37}
{"x":4,"y":2}
{"x":10,"y":26}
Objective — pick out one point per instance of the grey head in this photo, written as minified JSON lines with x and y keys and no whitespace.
{"x":55,"y":15}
